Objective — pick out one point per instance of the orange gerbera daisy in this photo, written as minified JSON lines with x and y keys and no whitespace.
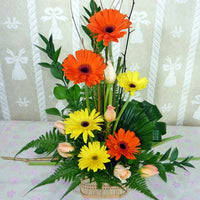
{"x":124,"y":143}
{"x":108,"y":25}
{"x":87,"y":67}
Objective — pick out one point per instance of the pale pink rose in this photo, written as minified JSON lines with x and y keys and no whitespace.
{"x":64,"y":149}
{"x":148,"y":170}
{"x":110,"y":114}
{"x":109,"y":72}
{"x":60,"y":126}
{"x":122,"y":173}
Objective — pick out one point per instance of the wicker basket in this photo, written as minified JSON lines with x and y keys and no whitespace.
{"x":90,"y":190}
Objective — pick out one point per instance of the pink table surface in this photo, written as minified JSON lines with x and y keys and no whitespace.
{"x":16,"y":178}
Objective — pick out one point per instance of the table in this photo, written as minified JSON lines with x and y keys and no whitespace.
{"x":16,"y":178}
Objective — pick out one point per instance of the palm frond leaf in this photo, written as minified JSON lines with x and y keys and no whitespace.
{"x":142,"y":119}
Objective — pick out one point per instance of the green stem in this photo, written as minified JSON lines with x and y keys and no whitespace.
{"x":110,"y":96}
{"x":115,"y":83}
{"x":87,"y":98}
{"x":106,"y":96}
{"x":107,"y":127}
{"x":110,"y":52}
{"x":121,"y":112}
{"x":166,"y":140}
{"x":43,"y":163}
{"x":99,"y":97}
{"x":95,"y":103}
{"x":194,"y":158}
{"x":106,"y":54}
{"x":91,"y":139}
{"x":118,"y":66}
{"x":55,"y":163}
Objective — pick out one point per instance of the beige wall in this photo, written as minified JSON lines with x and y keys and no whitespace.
{"x":164,"y":47}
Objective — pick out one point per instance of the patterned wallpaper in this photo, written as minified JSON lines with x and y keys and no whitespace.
{"x":164,"y":47}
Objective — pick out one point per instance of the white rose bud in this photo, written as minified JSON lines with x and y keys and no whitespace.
{"x":110,"y":75}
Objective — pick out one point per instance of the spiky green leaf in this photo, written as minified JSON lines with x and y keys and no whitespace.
{"x":41,"y":49}
{"x":44,"y":39}
{"x":166,"y":155}
{"x":162,"y":172}
{"x":174,"y":155}
{"x":56,"y":55}
{"x":43,"y":64}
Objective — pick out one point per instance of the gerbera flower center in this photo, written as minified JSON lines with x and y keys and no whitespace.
{"x":95,"y":157}
{"x":122,"y":145}
{"x":132,"y":85}
{"x":109,"y":29}
{"x":85,"y":68}
{"x":84,"y":123}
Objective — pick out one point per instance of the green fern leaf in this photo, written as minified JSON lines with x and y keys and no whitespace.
{"x":138,"y":183}
{"x":47,"y":143}
{"x":74,"y":184}
{"x":67,"y":171}
{"x":26,"y":147}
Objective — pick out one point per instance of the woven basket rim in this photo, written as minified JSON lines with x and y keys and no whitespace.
{"x":89,"y":189}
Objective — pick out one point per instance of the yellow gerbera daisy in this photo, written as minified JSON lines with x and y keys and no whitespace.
{"x":130,"y":81}
{"x":81,"y":122}
{"x":93,"y":157}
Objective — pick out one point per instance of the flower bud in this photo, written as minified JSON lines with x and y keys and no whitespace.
{"x":148,"y":170}
{"x":110,"y":114}
{"x":64,"y":148}
{"x":60,"y":126}
{"x":122,"y":173}
{"x":109,"y":72}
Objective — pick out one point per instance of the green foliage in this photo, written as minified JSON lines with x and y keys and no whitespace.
{"x":72,"y":94}
{"x":68,"y":170}
{"x":74,"y":184}
{"x":173,"y":158}
{"x":43,"y":64}
{"x":102,"y":176}
{"x":73,"y":97}
{"x":174,"y":155}
{"x":140,"y":117}
{"x":60,"y":92}
{"x":151,"y":111}
{"x":45,"y":143}
{"x":55,"y":66}
{"x":165,"y":163}
{"x":166,"y":155}
{"x":143,"y":122}
{"x":53,"y":111}
{"x":138,"y":183}
{"x":97,"y":46}
{"x":162,"y":171}
{"x":56,"y":71}
{"x":94,"y":8}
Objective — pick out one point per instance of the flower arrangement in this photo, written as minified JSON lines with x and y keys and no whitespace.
{"x":106,"y":137}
